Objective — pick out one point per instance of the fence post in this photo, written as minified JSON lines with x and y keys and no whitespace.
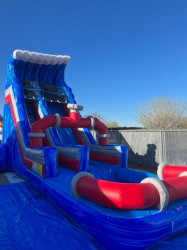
{"x":163,"y":145}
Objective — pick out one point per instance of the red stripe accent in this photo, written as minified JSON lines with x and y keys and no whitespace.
{"x":32,"y":102}
{"x":43,"y":170}
{"x":79,"y":138}
{"x":8,"y":99}
{"x":105,"y":158}
{"x":68,"y":162}
{"x":26,"y":161}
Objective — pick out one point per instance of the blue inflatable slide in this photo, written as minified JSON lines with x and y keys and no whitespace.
{"x":49,"y":144}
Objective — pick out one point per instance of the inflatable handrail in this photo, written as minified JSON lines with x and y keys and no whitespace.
{"x":73,"y":121}
{"x":129,"y":196}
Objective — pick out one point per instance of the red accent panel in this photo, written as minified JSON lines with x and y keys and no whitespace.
{"x":32,"y":102}
{"x":26,"y":161}
{"x":177,"y":188}
{"x":8,"y":99}
{"x":116,"y":195}
{"x":79,"y":138}
{"x":170,"y":171}
{"x":68,"y":162}
{"x":43,"y":170}
{"x":105,"y":158}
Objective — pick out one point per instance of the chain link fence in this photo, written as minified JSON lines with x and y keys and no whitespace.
{"x":175,"y":147}
{"x":151,"y":147}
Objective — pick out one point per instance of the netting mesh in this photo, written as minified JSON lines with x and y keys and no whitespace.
{"x":37,"y":90}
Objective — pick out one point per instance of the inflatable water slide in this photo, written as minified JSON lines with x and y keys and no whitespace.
{"x":49,"y":144}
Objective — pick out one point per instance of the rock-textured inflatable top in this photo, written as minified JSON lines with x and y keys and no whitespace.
{"x":25,"y":65}
{"x":40,"y":58}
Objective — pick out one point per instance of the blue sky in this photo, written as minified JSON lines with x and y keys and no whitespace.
{"x":123,"y":52}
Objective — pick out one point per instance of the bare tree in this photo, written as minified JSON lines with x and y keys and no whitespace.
{"x":109,"y":124}
{"x":112,"y":124}
{"x":162,"y":113}
{"x":98,"y":116}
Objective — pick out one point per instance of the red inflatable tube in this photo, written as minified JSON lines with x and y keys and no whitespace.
{"x":124,"y":196}
{"x":129,"y":196}
{"x":68,"y":162}
{"x":67,"y":122}
{"x":105,"y":158}
{"x":176,"y":187}
{"x":173,"y":171}
{"x":169,"y":171}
